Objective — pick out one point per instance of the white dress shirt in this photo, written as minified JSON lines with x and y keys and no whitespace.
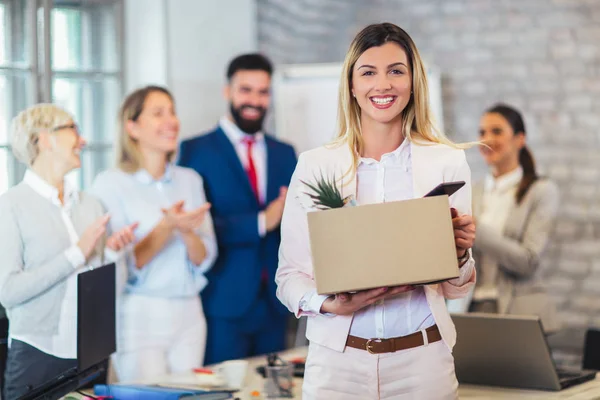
{"x":498,"y":199}
{"x":259,"y":155}
{"x":390,"y":179}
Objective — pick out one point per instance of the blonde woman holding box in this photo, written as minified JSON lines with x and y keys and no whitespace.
{"x":384,"y":343}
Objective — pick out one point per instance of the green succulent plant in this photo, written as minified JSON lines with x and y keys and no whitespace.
{"x":326,"y":194}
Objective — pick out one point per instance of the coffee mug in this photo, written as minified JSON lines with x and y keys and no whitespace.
{"x":233,"y":372}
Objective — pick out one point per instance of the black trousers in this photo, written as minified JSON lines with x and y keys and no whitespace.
{"x":27,"y":368}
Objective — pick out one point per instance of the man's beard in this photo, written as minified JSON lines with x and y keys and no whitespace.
{"x":249,"y":126}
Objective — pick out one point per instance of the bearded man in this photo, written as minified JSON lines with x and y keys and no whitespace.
{"x":246,"y":173}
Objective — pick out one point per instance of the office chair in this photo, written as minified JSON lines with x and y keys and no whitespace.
{"x":591,"y":350}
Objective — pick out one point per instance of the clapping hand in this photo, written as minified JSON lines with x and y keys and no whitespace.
{"x":90,"y":237}
{"x":118,"y":240}
{"x":185,"y":221}
{"x":274,"y":210}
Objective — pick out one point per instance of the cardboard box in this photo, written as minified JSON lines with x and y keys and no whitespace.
{"x":387,"y":244}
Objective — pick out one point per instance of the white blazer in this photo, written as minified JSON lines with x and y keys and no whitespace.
{"x":431,"y":165}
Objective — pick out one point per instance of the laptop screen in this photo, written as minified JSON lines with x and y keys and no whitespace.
{"x":502,"y":350}
{"x":96,"y":327}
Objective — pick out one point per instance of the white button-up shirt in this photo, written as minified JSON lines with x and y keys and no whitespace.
{"x":389,"y":179}
{"x":138,"y":197}
{"x":259,"y":155}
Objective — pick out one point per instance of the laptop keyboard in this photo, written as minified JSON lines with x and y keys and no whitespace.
{"x":570,"y":378}
{"x":567,"y":374}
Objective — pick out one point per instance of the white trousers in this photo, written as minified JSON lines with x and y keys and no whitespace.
{"x":421,"y":373}
{"x":158,"y":336}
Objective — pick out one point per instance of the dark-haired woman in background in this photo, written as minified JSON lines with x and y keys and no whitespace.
{"x":514,"y":211}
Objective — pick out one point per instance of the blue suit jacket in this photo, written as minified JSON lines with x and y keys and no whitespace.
{"x":235,"y":279}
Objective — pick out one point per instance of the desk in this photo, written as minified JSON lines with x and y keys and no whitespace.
{"x":254,"y":382}
{"x":586,"y":391}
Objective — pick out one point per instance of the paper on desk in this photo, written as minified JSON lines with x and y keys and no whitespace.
{"x":193,"y":386}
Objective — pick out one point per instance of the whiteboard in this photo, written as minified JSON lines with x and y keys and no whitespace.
{"x":305,"y":103}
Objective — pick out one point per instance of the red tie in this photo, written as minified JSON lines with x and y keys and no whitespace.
{"x":251,"y":169}
{"x":252,"y":177}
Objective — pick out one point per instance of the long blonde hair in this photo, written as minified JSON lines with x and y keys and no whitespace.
{"x":417,"y":118}
{"x":129,"y":158}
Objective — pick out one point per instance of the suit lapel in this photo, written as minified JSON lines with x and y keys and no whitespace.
{"x":424,"y":178}
{"x":347,"y":182}
{"x":234,"y":162}
{"x":271,"y":154}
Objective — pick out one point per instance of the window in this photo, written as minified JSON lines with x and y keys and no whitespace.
{"x":67,"y":52}
{"x":16,"y":78}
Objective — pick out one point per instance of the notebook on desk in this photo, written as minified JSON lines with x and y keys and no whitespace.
{"x":509,"y":351}
{"x":151,"y":392}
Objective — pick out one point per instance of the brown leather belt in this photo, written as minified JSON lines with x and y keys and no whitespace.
{"x":379,"y":346}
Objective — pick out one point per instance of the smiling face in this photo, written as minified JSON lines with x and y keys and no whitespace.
{"x":249,"y":96}
{"x":504,"y":144}
{"x":157,"y":127}
{"x":61,"y":146}
{"x":382,"y":82}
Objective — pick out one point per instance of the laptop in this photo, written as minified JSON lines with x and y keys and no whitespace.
{"x":508,"y":351}
{"x":96,"y":334}
{"x":96,"y":316}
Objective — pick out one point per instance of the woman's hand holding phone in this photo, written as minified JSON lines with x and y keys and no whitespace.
{"x":464,"y":232}
{"x":349,"y":303}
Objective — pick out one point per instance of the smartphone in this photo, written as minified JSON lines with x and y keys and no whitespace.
{"x":448,"y":188}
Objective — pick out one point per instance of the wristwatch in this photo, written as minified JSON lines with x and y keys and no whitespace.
{"x":462,"y":260}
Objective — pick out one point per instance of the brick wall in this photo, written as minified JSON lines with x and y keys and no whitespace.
{"x":542,"y":56}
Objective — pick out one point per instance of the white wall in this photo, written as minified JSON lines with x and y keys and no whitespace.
{"x":145,"y":43}
{"x":186,"y":45}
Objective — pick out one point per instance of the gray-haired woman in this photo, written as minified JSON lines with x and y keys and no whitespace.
{"x":50,"y":232}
